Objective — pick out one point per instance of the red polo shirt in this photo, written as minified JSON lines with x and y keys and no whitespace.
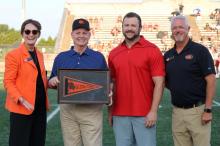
{"x":133,"y":69}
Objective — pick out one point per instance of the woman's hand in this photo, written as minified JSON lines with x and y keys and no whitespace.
{"x":26,"y":104}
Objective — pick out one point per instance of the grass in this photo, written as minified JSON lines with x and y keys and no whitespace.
{"x":54,"y":134}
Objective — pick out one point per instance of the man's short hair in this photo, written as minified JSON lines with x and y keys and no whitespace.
{"x":180,"y":17}
{"x":133,"y":14}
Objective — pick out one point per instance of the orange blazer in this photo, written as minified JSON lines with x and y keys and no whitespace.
{"x":20,"y":79}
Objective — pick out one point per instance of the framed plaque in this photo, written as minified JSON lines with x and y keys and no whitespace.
{"x":83,"y":86}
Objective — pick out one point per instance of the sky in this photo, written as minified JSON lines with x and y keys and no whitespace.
{"x":48,"y":12}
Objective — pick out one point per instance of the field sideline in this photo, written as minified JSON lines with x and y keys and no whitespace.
{"x":54,"y":135}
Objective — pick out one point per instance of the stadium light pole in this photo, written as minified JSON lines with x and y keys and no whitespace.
{"x":217,"y":27}
{"x":23,"y":11}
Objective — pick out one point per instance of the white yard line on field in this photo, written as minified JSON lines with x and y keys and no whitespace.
{"x":49,"y":117}
{"x":54,"y":105}
{"x":217,"y":103}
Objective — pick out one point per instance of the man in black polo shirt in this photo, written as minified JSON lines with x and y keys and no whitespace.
{"x":190,"y":77}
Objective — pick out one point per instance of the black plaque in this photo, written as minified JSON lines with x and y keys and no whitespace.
{"x":83,"y":86}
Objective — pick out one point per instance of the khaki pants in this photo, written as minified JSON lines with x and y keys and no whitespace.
{"x":81,"y":124}
{"x":187,"y":127}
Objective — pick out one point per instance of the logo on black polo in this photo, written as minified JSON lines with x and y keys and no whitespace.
{"x":169,"y":58}
{"x":189,"y":57}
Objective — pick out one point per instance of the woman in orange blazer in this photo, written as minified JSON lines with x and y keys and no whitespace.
{"x":25,"y":82}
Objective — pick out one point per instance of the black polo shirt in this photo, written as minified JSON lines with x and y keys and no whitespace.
{"x":186,"y":71}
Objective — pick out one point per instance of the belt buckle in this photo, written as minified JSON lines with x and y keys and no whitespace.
{"x":190,"y":106}
{"x":187,"y":106}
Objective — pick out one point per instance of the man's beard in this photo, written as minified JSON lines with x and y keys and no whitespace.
{"x":132,"y":38}
{"x":179,"y":38}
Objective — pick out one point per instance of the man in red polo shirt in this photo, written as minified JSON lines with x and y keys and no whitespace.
{"x":137,"y":73}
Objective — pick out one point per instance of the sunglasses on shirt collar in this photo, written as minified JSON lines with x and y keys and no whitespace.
{"x":34,"y":32}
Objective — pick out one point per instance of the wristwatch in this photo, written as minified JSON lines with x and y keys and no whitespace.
{"x":208,"y":110}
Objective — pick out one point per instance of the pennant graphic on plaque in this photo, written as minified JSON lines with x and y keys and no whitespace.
{"x":76,"y":86}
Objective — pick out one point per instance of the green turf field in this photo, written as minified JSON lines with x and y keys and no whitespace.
{"x":54,"y":135}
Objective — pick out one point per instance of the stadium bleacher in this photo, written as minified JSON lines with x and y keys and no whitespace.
{"x":104,"y":17}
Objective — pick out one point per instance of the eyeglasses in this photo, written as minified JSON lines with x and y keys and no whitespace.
{"x":34,"y":32}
